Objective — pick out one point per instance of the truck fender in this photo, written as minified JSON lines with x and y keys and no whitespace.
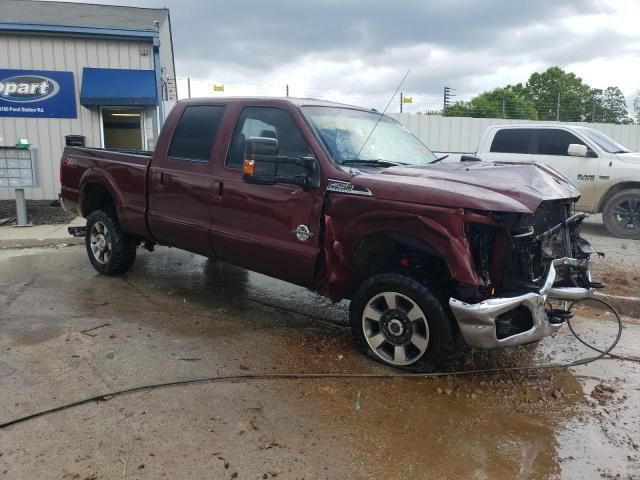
{"x":96,"y":175}
{"x":449,"y":242}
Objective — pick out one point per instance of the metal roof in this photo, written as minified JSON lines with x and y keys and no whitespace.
{"x":31,"y":12}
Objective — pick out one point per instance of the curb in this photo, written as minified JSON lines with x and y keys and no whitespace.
{"x":629,"y":306}
{"x":39,"y":242}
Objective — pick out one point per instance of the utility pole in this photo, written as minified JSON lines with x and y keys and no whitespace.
{"x":447,"y":98}
{"x":401,"y":101}
{"x":287,"y":89}
{"x":189,"y":86}
{"x":558,"y":108}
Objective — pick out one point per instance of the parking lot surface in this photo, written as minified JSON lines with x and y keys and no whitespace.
{"x":69,"y":334}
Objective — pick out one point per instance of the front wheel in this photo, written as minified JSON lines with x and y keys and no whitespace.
{"x":397,"y":321}
{"x":110,"y":250}
{"x":621,"y":214}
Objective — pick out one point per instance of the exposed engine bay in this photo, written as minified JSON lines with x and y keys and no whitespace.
{"x":541,"y":256}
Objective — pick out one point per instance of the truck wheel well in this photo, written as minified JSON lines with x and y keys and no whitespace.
{"x":402,"y":253}
{"x":97,"y":197}
{"x":618,"y":187}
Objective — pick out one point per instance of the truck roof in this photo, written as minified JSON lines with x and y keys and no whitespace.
{"x":298,"y":102}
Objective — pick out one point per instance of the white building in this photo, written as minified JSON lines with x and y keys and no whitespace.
{"x":102,"y":72}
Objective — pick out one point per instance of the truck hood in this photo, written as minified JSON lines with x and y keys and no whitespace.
{"x":632,"y":157}
{"x":502,"y":187}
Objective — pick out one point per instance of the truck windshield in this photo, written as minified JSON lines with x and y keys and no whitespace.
{"x":608,"y":144}
{"x":344,"y":131}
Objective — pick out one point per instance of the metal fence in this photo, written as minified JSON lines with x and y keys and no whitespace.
{"x":463,"y":134}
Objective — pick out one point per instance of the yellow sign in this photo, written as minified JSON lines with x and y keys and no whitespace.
{"x":218,"y":88}
{"x":407,"y":100}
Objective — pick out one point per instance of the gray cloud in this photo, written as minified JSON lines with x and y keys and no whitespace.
{"x":248,"y":41}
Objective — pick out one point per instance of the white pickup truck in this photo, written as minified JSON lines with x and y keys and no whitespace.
{"x":607,"y":173}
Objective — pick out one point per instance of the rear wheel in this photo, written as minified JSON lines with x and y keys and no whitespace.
{"x":621,"y":214}
{"x":110,"y":250}
{"x":397,"y":321}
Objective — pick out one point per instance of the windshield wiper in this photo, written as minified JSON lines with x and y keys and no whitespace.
{"x":439,"y":159}
{"x":377,"y":162}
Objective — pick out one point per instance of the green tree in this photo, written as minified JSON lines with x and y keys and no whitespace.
{"x":498,"y":103}
{"x":612,"y":107}
{"x":636,"y":107}
{"x":546,"y":88}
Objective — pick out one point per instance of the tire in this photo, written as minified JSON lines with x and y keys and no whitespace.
{"x":110,"y":250}
{"x":416,"y":335}
{"x":621,"y":214}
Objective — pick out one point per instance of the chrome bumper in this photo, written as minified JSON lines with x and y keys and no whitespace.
{"x":477,"y":322}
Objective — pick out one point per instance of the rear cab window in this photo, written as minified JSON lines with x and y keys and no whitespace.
{"x":195,"y":134}
{"x":512,"y":140}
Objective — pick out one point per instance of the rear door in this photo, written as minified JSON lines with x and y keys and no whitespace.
{"x":255,"y":226}
{"x":181,"y":181}
{"x":551,"y":148}
{"x":510,"y":145}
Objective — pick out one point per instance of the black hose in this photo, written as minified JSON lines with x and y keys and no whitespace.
{"x":299,"y":376}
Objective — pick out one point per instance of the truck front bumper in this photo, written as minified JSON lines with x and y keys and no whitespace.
{"x":478,"y":322}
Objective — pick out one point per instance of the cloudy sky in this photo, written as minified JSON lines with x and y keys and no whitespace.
{"x":358,"y":51}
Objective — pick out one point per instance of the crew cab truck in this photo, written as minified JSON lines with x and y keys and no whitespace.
{"x":348,"y":203}
{"x":607,"y":173}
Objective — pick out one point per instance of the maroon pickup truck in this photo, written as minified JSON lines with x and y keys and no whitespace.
{"x":347,"y":202}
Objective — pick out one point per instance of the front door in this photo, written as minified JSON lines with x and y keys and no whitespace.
{"x":122,"y":128}
{"x":181,"y":182}
{"x":552,"y":147}
{"x":262,"y":227}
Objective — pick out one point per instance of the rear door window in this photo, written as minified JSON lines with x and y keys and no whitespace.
{"x":515,"y":140}
{"x":556,"y":142}
{"x":195,"y":133}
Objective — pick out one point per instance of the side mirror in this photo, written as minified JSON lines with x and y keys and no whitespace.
{"x":263,"y":166}
{"x":576,"y":150}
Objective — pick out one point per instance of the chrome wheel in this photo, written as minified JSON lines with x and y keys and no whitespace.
{"x":100,"y":242}
{"x":395,"y":328}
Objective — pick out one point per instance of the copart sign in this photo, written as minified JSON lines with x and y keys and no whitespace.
{"x":35,"y":93}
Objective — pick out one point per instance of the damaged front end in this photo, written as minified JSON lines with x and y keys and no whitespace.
{"x":523,"y":260}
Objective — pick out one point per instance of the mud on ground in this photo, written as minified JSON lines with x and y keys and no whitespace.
{"x":179,"y":316}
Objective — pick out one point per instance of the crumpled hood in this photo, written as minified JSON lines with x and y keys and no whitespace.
{"x":503,"y":187}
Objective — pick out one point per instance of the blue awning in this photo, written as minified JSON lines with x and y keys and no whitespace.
{"x":117,"y":88}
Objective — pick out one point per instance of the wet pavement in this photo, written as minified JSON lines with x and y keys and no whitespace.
{"x":178,"y":316}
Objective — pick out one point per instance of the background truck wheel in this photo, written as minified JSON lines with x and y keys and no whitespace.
{"x":111,"y":251}
{"x":621,"y":214}
{"x":397,"y":321}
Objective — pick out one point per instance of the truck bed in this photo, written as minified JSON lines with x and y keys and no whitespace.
{"x":125,"y":173}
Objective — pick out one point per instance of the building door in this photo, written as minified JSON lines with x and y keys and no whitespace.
{"x":122,"y":128}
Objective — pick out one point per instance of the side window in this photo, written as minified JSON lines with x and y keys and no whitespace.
{"x":266,"y":122}
{"x":195,"y":133}
{"x":556,"y":142}
{"x":514,"y":140}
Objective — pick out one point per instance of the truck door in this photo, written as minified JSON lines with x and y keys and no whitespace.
{"x":552,"y":147}
{"x":257,"y":226}
{"x":181,"y":182}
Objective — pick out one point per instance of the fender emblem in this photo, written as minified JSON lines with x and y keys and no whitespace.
{"x":349,"y":188}
{"x":303,"y":233}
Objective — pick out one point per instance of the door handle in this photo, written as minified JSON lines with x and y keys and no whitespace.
{"x":162,"y":178}
{"x":218,"y":189}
